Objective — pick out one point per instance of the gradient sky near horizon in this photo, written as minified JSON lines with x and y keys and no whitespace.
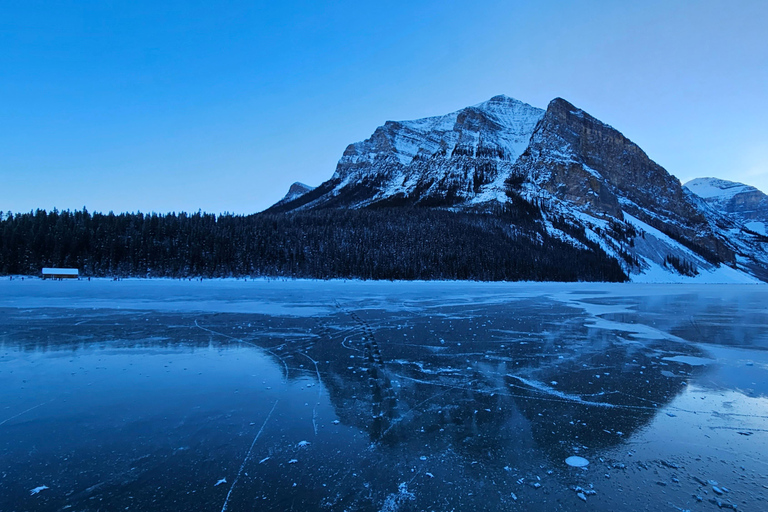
{"x":220,"y":106}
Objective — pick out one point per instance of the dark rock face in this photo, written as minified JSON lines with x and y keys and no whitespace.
{"x":579,"y":159}
{"x":297,"y":189}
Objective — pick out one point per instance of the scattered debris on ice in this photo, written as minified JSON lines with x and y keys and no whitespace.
{"x":576,"y":461}
{"x":723,"y":504}
{"x":265,"y":459}
{"x":303,"y":444}
{"x":222,"y":481}
{"x":293,"y":461}
{"x":37,"y":490}
{"x":583,"y":493}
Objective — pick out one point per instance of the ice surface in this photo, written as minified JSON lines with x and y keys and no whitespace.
{"x":363,"y":395}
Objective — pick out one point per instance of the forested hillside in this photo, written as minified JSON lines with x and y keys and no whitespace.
{"x":385,"y":243}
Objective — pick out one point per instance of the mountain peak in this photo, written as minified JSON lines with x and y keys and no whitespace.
{"x":430,"y":155}
{"x":295,"y":191}
{"x":744,"y":203}
{"x":561,"y":103}
{"x":562,"y":107}
{"x":715,"y":187}
{"x":501,"y":102}
{"x":501,"y":99}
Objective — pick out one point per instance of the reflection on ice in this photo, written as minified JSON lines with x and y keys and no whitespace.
{"x":382,"y":400}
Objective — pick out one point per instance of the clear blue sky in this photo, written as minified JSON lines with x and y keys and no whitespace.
{"x":220,"y":106}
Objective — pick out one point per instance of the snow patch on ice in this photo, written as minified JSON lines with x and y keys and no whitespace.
{"x":576,"y":461}
{"x":690,"y":360}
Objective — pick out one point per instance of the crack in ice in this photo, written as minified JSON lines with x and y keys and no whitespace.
{"x":247,"y":456}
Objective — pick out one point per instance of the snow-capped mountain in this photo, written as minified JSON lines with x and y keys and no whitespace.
{"x":744,"y":203}
{"x":592,"y":187}
{"x":459,"y":158}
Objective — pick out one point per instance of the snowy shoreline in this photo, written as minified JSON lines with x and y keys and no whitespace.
{"x":683,"y":280}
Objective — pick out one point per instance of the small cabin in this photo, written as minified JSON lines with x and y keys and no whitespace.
{"x":60,"y":273}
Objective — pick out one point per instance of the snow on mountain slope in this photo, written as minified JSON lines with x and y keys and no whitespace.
{"x":709,"y":188}
{"x":442,"y":160}
{"x":744,"y":203}
{"x":592,"y":187}
{"x":587,"y":172}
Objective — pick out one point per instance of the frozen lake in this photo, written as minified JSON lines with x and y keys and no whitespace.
{"x":300,"y":395}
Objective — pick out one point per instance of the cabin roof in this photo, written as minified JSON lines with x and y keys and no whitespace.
{"x":61,"y":271}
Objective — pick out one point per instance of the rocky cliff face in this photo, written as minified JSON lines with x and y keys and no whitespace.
{"x":582,"y":161}
{"x":588,"y":182}
{"x":296,"y":190}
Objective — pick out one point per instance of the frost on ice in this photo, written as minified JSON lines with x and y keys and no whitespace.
{"x":396,"y":500}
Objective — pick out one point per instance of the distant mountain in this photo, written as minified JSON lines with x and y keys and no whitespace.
{"x":563,"y":174}
{"x":744,"y":203}
{"x":295,"y":190}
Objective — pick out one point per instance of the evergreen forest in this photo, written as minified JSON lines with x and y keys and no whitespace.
{"x":380,"y":243}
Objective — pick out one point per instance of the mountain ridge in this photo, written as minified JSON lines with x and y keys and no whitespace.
{"x":583,"y":176}
{"x":745,"y":203}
